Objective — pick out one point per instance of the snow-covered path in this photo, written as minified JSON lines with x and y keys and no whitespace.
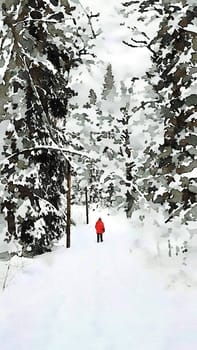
{"x":95,"y":297}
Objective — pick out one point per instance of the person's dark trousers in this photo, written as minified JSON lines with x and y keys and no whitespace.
{"x":99,"y":237}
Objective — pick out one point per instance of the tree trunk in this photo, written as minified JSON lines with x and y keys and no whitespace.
{"x":86,"y":200}
{"x":68,"y":214}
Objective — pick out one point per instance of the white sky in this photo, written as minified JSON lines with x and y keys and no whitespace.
{"x":125,"y":60}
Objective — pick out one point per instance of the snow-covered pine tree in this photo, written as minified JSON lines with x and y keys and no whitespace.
{"x":102,"y":128}
{"x":174,"y":80}
{"x":92,"y":97}
{"x":144,"y":124}
{"x":41,"y":42}
{"x":109,"y":89}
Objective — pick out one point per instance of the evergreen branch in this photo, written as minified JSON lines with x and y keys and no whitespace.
{"x":193,"y":33}
{"x":29,"y":20}
{"x":39,"y":101}
{"x":178,"y":210}
{"x":7,"y":61}
{"x":50,"y":204}
{"x":45,"y":147}
{"x":22,"y":54}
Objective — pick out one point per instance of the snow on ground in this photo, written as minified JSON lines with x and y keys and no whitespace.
{"x":97,"y":296}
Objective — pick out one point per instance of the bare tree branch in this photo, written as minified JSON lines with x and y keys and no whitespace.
{"x":89,"y":17}
{"x":148,"y":46}
{"x":140,"y":42}
{"x":130,"y":45}
{"x":128,"y":3}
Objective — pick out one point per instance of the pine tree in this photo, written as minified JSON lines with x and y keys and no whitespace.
{"x":92,"y":97}
{"x":172,"y":77}
{"x":109,"y":90}
{"x":176,"y":87}
{"x":42,"y":43}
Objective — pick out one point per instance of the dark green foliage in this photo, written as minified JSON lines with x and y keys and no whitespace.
{"x":170,"y":180}
{"x":37,"y":93}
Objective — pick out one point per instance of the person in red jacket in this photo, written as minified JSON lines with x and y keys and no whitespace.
{"x":100,"y":229}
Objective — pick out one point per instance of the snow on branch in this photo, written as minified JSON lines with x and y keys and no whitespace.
{"x":50,"y":148}
{"x":178,"y":210}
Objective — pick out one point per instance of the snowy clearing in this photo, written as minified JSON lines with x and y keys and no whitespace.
{"x":99,"y":296}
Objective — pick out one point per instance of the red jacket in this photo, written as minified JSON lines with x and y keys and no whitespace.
{"x":100,"y":228}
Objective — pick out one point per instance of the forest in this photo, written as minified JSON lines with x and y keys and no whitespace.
{"x":80,"y":126}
